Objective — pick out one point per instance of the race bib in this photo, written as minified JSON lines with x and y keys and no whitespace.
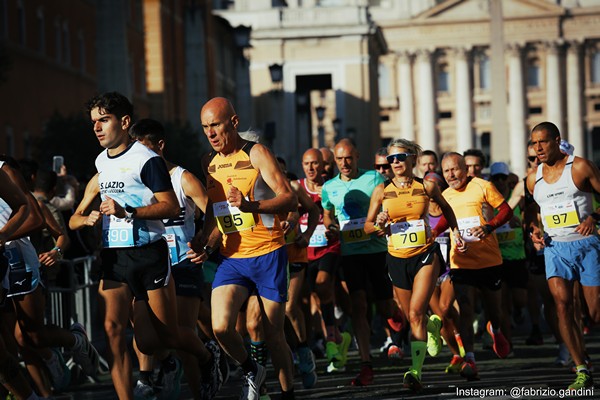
{"x":318,"y":238}
{"x":172,"y":243}
{"x":408,"y":234}
{"x":117,"y":232}
{"x":12,"y":252}
{"x":444,"y":242}
{"x":505,"y":234}
{"x":230,"y":219}
{"x":466,"y":225}
{"x":560,"y":215}
{"x":353,"y":231}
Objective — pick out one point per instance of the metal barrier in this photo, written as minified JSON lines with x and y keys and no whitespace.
{"x":77,"y":302}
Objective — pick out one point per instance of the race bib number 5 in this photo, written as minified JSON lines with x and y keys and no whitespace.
{"x":352,"y":231}
{"x":408,"y":234}
{"x":560,"y":215}
{"x":466,"y":225}
{"x":116,"y":232}
{"x":230,"y":219}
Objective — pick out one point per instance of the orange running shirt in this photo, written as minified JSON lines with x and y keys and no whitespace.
{"x":244,"y":234}
{"x":468,"y":204}
{"x":408,"y":210}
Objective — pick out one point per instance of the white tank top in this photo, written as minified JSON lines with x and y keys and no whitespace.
{"x":180,"y":230}
{"x":562,"y":205}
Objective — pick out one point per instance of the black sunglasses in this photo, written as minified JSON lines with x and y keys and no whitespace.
{"x":401,"y":157}
{"x":384,"y":166}
{"x":532,"y":158}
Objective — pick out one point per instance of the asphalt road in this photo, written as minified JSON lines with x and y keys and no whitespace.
{"x":529,"y":374}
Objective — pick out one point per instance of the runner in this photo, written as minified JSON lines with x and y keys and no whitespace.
{"x":346,"y":199}
{"x":478,"y":266}
{"x":246,"y":190}
{"x":136,"y":192}
{"x":188,"y":276}
{"x":562,"y":187}
{"x":414,"y":260}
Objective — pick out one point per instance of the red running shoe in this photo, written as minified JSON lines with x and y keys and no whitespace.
{"x":501,"y":346}
{"x":365,"y":377}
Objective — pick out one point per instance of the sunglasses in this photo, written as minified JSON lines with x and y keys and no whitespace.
{"x":382,"y":166}
{"x":532,"y":158}
{"x":401,"y":157}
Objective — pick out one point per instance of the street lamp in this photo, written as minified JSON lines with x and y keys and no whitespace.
{"x":241,"y":36}
{"x":276,"y":71}
{"x":337,"y":125}
{"x":320,"y":111}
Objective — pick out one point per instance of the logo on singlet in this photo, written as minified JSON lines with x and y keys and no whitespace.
{"x":228,"y":165}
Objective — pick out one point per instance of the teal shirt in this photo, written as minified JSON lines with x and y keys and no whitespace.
{"x":351,"y":201}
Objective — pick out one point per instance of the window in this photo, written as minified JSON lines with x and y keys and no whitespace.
{"x":443,"y":84}
{"x":533,"y":72}
{"x":10,"y":141}
{"x":485,"y":77}
{"x":3,"y":19}
{"x":41,"y":31}
{"x":21,"y":22}
{"x":66,"y":38}
{"x":81,"y":49}
{"x":596,"y":67}
{"x":385,"y":86}
{"x":485,"y":146}
{"x":57,"y":41}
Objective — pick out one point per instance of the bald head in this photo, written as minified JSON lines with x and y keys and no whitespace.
{"x":328,"y":162}
{"x":346,"y":158}
{"x":312,"y":164}
{"x":220,"y":124}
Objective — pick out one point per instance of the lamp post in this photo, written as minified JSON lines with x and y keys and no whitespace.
{"x":337,"y":125}
{"x":320,"y":111}
{"x":276,"y":72}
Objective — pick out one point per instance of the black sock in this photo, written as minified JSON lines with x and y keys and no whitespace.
{"x":146,"y":377}
{"x":287,"y":395}
{"x":249,"y":365}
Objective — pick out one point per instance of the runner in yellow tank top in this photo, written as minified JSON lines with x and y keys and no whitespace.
{"x":414,"y":260}
{"x":253,"y":256}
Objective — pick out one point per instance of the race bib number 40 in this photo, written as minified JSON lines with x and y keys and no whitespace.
{"x":230,"y":219}
{"x":466,"y":225}
{"x":353,"y":231}
{"x":408,"y":234}
{"x":116,"y":232}
{"x":560,"y":215}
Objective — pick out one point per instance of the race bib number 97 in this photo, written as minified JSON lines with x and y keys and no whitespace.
{"x":560,"y":215}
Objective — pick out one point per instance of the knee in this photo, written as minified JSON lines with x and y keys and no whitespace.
{"x":291,"y":308}
{"x":324,"y":292}
{"x":114,"y":330}
{"x":595,"y":314}
{"x":415,"y":317}
{"x":222,"y":330}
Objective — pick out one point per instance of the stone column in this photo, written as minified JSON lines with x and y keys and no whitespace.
{"x":405,"y":90}
{"x":554,"y":98}
{"x":426,"y":114}
{"x":575,"y":134}
{"x":464,"y":109}
{"x":516,"y":112}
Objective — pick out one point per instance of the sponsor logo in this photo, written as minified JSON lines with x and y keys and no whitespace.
{"x":158,"y":280}
{"x":228,"y":165}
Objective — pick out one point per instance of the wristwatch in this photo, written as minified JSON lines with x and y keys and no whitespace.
{"x":208,"y":250}
{"x":596,"y":216}
{"x":487,"y":228}
{"x":130,"y":213}
{"x":59,"y":251}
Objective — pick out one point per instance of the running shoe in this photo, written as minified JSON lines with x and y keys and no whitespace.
{"x":307,"y":367}
{"x":211,"y":387}
{"x":412,"y":381}
{"x":394,"y":352}
{"x":455,"y":365}
{"x":171,"y":382}
{"x":60,"y":374}
{"x":588,"y":365}
{"x":434,"y":338}
{"x":501,"y":346}
{"x":384,"y":347}
{"x":332,"y":352}
{"x":582,"y":380}
{"x":343,"y":349}
{"x":469,"y":371}
{"x":143,"y":391}
{"x":83,"y":352}
{"x":461,"y":347}
{"x":252,"y":383}
{"x":365,"y":377}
